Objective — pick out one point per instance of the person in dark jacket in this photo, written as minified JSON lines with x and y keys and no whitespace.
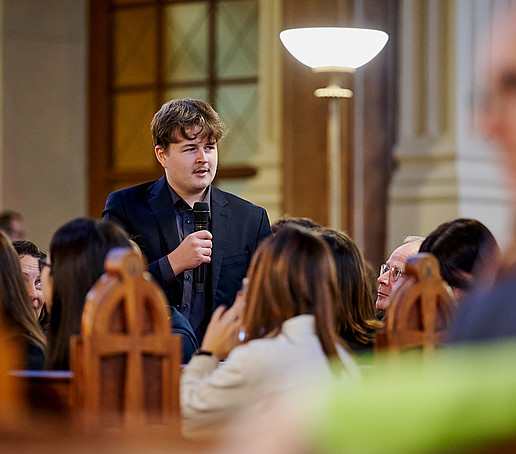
{"x":159,"y":215}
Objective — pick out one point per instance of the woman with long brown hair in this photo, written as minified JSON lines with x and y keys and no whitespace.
{"x":356,"y":313}
{"x":287,"y":314}
{"x":17,"y":310}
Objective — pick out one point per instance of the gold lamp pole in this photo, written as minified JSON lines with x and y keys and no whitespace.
{"x":334,"y":50}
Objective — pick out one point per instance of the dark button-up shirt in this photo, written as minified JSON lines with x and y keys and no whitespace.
{"x":193,"y":305}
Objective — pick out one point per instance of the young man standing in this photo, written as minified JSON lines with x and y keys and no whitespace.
{"x":159,"y":215}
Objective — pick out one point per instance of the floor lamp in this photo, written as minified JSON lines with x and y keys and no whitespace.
{"x":334,"y":50}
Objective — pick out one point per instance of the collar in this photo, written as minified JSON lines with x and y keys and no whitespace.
{"x":304,"y":323}
{"x":179,"y":202}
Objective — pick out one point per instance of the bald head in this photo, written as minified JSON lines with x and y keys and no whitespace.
{"x":396,"y":262}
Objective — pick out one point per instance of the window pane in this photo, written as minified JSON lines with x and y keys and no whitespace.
{"x":186,"y":42}
{"x":133,"y":147}
{"x":135,"y":46}
{"x":237,"y":39}
{"x":200,"y":93}
{"x":129,"y":2}
{"x":238,"y":107}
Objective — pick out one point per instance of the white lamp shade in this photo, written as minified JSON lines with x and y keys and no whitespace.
{"x":320,"y":47}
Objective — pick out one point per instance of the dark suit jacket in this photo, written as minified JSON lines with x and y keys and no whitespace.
{"x":488,"y":316}
{"x":147,"y":214}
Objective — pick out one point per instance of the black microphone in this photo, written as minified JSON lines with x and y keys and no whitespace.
{"x":201,"y":212}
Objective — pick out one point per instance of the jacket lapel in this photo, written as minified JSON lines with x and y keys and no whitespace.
{"x":161,"y":205}
{"x":220,"y":221}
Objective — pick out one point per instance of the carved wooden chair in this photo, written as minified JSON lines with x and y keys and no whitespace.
{"x":420,"y":309}
{"x":126,"y":361}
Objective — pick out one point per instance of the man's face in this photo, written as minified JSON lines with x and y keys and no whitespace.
{"x":397,"y":260}
{"x":190,"y":165}
{"x":498,"y":112}
{"x":32,"y":276}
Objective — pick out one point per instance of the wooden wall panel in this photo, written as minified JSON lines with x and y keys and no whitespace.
{"x":380,"y":119}
{"x":98,"y":106}
{"x":304,"y":123}
{"x":305,"y":116}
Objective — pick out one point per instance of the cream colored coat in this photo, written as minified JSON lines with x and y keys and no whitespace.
{"x":212,"y":393}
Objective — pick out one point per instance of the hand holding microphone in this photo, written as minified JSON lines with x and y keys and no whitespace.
{"x":195,"y":249}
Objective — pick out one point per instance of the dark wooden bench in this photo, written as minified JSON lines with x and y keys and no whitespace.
{"x":47,"y":392}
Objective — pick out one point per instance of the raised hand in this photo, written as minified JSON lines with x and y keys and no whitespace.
{"x":222,"y":332}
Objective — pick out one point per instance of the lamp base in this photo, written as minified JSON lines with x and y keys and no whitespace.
{"x":333,"y":69}
{"x":333,"y":91}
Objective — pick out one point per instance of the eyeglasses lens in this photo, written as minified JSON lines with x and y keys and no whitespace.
{"x":394,"y":273}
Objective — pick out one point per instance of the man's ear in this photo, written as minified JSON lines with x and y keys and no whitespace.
{"x":160,"y":155}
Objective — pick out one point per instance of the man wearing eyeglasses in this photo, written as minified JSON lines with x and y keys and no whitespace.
{"x":392,"y":272}
{"x":30,"y":256}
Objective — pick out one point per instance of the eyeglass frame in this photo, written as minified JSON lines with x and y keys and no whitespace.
{"x":394,"y":273}
{"x":42,"y":264}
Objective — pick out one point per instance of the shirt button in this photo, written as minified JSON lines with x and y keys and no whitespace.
{"x":184,"y":306}
{"x":188,"y":221}
{"x":187,"y":277}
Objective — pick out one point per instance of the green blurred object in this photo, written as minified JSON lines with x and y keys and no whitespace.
{"x":462,"y":400}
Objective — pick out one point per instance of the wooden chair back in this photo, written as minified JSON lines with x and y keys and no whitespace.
{"x":126,"y":361}
{"x":420,"y":309}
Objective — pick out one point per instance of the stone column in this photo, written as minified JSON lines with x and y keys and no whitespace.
{"x":43,"y":159}
{"x":444,"y":168}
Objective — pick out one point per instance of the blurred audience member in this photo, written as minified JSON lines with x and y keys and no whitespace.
{"x":12,"y":224}
{"x":30,"y":255}
{"x":467,"y":252}
{"x":77,"y":253}
{"x":356,"y":312}
{"x":492,"y":315}
{"x":287,"y":311}
{"x":392,"y":271}
{"x":17,"y":309}
{"x":290,"y":220}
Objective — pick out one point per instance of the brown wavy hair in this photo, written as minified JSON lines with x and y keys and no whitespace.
{"x":356,"y":314}
{"x":292,"y":273}
{"x":175,"y":118}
